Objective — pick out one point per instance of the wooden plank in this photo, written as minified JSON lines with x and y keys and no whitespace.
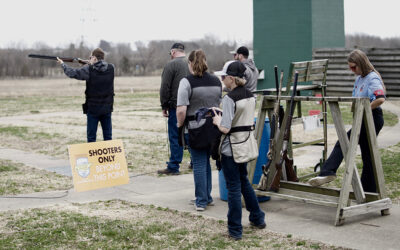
{"x":369,"y":207}
{"x":315,"y":63}
{"x":374,"y":150}
{"x":315,"y":99}
{"x":311,"y":71}
{"x":271,"y":91}
{"x":304,"y":144}
{"x":251,"y":166}
{"x":350,"y":161}
{"x":344,"y":145}
{"x":324,"y":190}
{"x":307,"y":78}
{"x":296,"y":197}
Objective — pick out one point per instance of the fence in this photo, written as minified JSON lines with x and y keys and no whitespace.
{"x":340,"y":79}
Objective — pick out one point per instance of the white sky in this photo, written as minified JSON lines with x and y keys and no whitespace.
{"x":60,"y":22}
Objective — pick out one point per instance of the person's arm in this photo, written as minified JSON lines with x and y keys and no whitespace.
{"x":184,"y":91}
{"x":376,"y":92}
{"x":78,"y":73}
{"x":377,"y":102}
{"x":217,"y":118}
{"x":180,"y":115}
{"x":165,"y":89}
{"x":224,"y":121}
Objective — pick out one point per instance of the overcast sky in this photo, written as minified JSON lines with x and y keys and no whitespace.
{"x":60,"y":22}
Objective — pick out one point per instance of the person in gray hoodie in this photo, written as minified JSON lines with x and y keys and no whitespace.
{"x":251,"y":73}
{"x":99,"y":93}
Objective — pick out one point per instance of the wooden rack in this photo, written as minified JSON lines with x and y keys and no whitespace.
{"x":351,"y":186}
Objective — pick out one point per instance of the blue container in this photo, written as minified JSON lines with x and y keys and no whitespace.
{"x":261,"y":160}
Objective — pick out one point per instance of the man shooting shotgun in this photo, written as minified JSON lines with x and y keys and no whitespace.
{"x":291,"y":175}
{"x":274,"y":131}
{"x":65,"y":59}
{"x":99,"y":93}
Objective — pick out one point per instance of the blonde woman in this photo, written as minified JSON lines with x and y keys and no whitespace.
{"x":238,"y":146}
{"x":368,"y":84}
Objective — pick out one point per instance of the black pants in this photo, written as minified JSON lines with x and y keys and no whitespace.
{"x":335,"y":158}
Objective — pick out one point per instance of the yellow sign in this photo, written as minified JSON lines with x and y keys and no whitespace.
{"x":98,"y":165}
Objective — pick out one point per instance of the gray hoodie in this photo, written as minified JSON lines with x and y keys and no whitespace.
{"x":82,"y":73}
{"x":251,"y":74}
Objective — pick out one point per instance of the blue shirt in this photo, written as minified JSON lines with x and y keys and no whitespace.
{"x":369,"y":86}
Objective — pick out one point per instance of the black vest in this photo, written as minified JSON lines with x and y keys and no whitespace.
{"x":240,"y":93}
{"x":100,"y":91}
{"x":202,"y":99}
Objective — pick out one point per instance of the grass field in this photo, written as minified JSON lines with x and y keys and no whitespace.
{"x":121,"y":225}
{"x":44,"y":116}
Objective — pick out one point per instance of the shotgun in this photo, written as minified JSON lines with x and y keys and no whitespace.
{"x":274,"y":129}
{"x":283,"y":155}
{"x":65,"y":59}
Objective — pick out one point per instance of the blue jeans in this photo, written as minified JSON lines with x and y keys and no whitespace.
{"x":176,"y":150}
{"x":92,"y":123}
{"x":332,"y":164}
{"x":237,"y":184}
{"x":202,"y":176}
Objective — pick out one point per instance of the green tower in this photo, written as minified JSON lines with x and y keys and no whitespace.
{"x":288,"y":30}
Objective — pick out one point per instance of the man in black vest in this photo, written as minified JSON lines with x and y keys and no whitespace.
{"x":99,"y":77}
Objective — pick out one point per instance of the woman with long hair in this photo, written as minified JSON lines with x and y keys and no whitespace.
{"x":197,"y":91}
{"x":369,"y":84}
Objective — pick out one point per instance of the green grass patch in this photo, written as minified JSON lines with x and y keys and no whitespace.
{"x":134,"y":226}
{"x":26,"y":133}
{"x":16,"y":178}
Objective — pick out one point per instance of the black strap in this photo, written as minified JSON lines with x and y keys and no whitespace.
{"x":241,"y":129}
{"x":190,"y":118}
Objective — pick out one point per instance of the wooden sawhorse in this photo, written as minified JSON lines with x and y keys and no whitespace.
{"x":340,"y":198}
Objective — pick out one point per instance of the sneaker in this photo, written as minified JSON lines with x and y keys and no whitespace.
{"x":235,"y":238}
{"x":319,"y":180}
{"x":193,"y":201}
{"x":167,"y":171}
{"x":199,"y":209}
{"x":260,"y":226}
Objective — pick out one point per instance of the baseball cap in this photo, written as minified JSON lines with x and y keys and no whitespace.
{"x":232,"y":68}
{"x":178,"y":46}
{"x":241,"y":50}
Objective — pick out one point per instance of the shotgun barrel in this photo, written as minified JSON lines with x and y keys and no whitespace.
{"x":65,"y":59}
{"x":283,"y":154}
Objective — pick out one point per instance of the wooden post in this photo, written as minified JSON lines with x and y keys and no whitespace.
{"x":350,"y":162}
{"x":344,"y":145}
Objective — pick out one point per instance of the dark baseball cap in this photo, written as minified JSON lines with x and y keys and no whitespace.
{"x":243,"y":51}
{"x":232,"y":68}
{"x":178,"y":46}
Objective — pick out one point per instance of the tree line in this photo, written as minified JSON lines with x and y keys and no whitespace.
{"x":146,"y":59}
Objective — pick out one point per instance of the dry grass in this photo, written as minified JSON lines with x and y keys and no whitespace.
{"x":129,"y":225}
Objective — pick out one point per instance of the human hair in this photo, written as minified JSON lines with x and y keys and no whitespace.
{"x":361,"y":60}
{"x":197,"y":58}
{"x":239,"y":81}
{"x":98,"y":53}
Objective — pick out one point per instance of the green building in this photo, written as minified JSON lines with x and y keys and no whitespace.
{"x":288,"y":30}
